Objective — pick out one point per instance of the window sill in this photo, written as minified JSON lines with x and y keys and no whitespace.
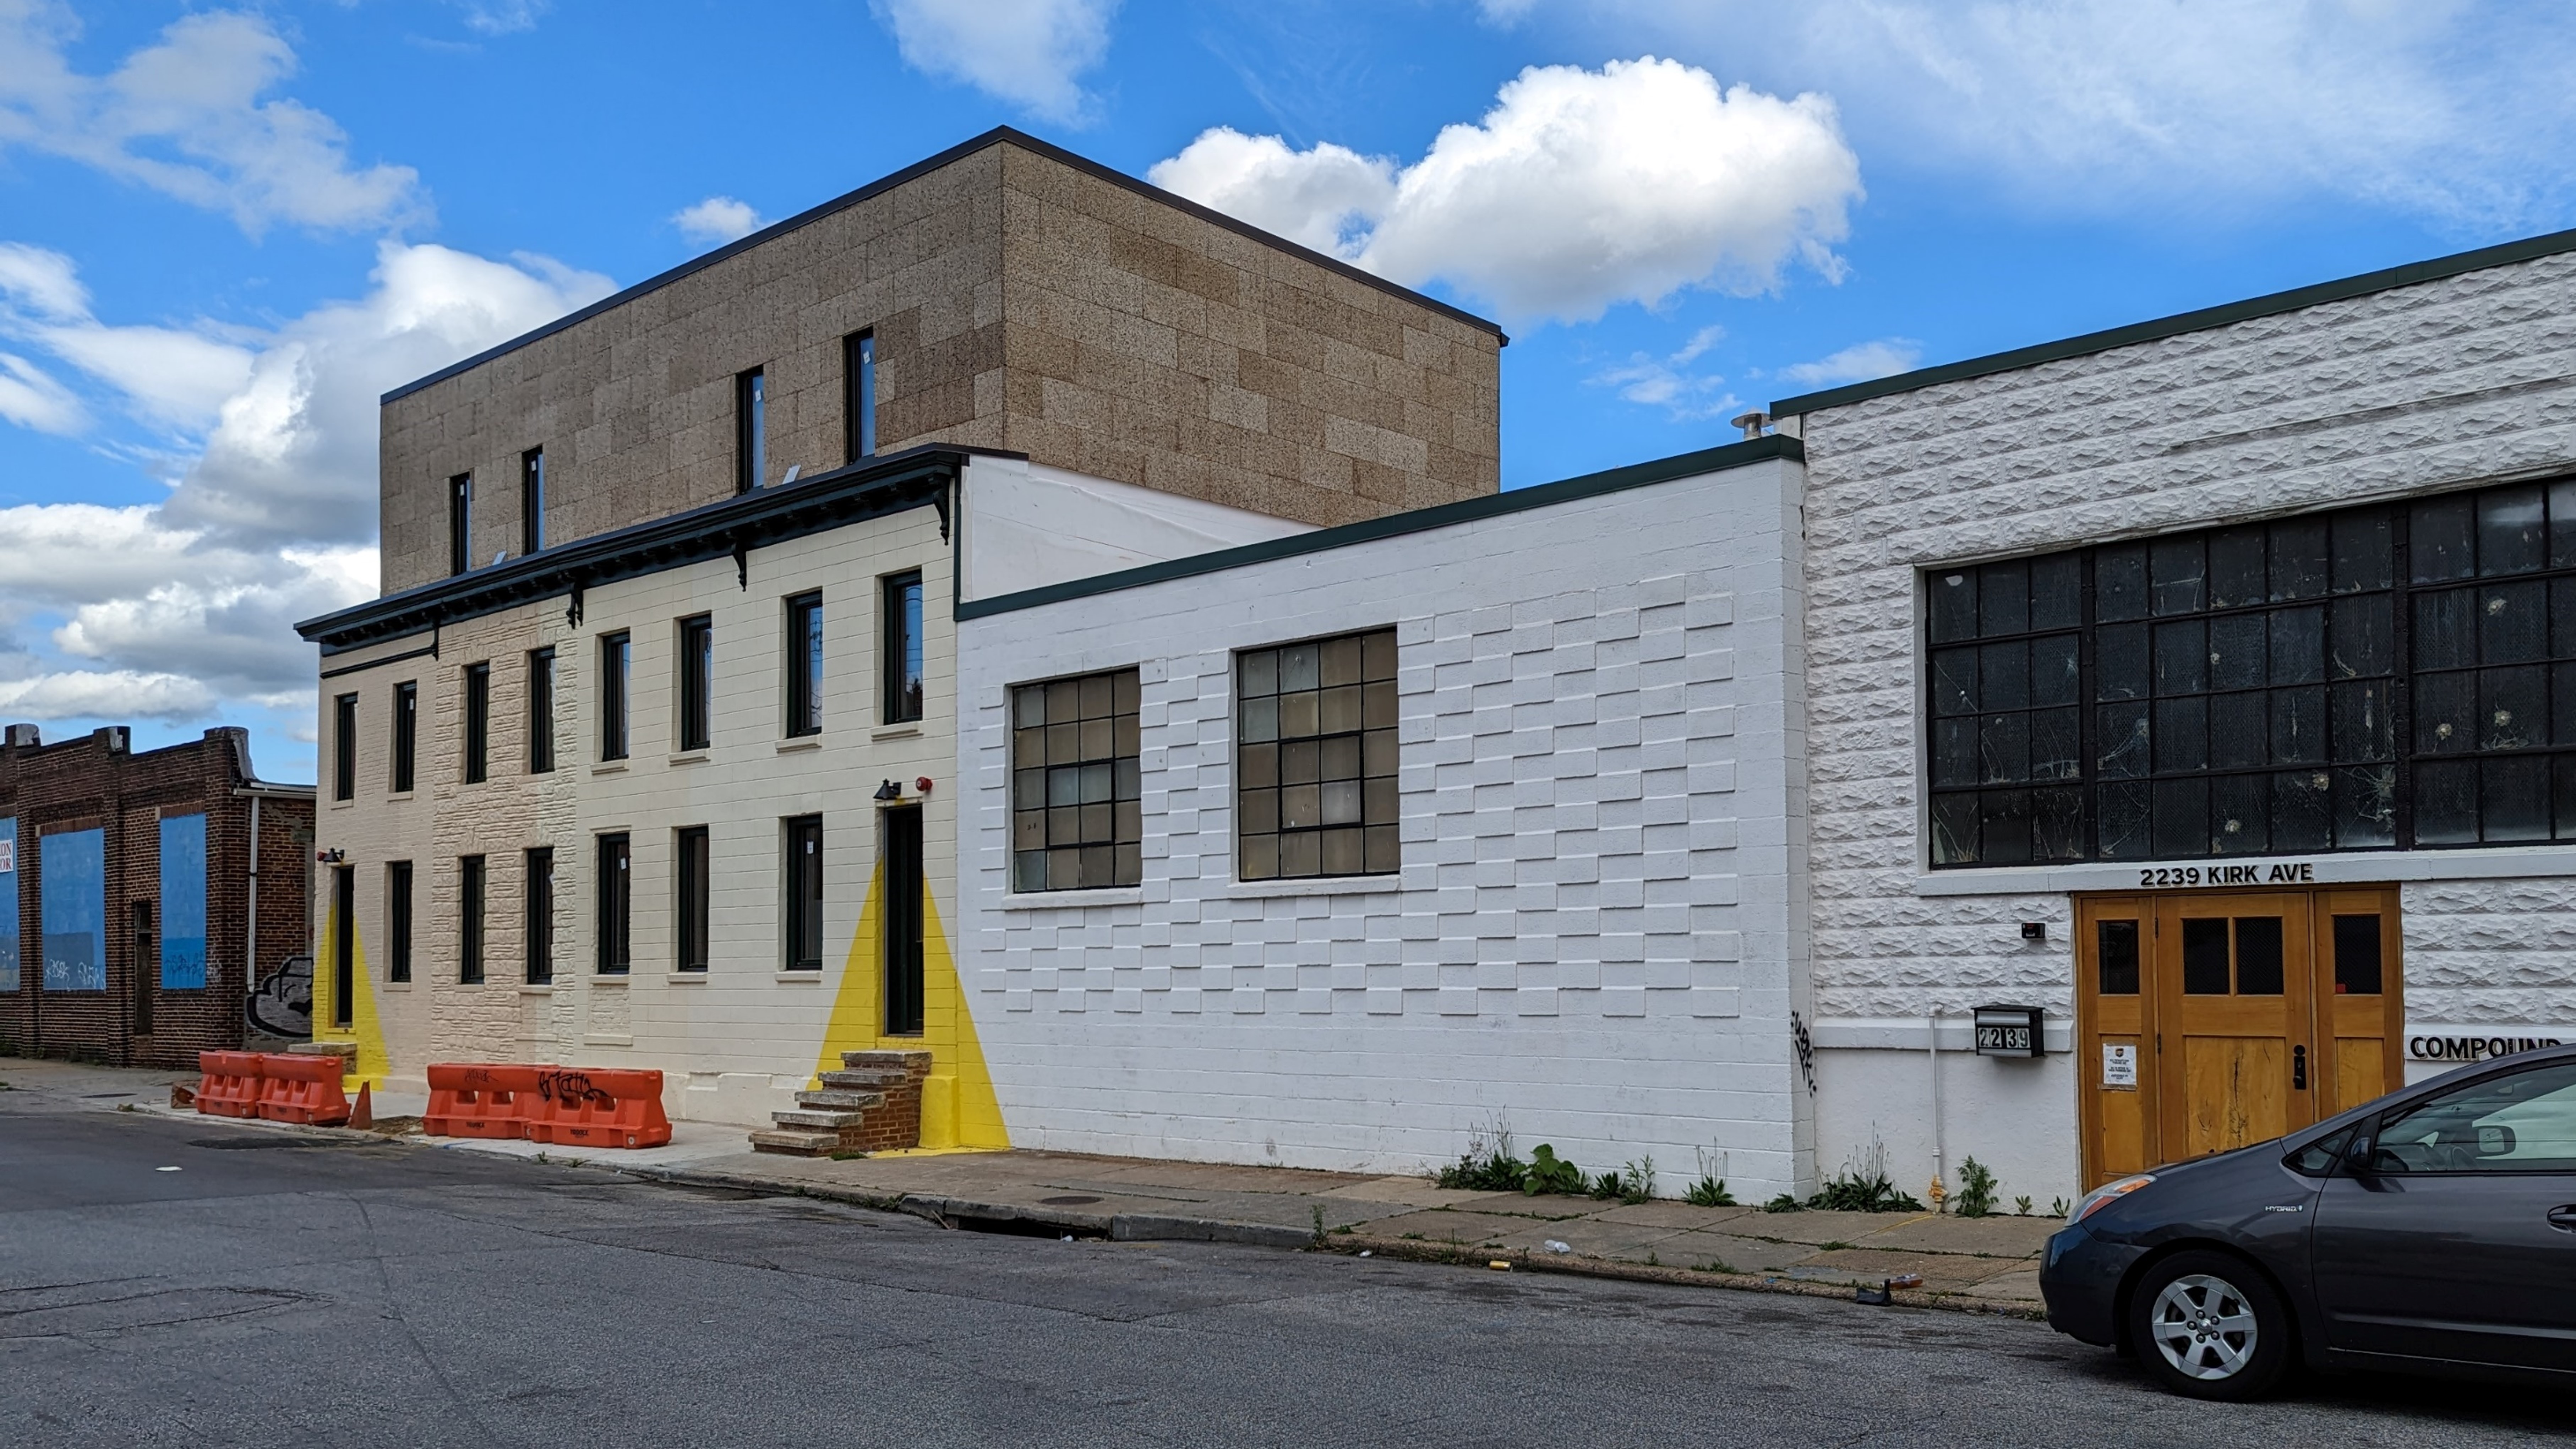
{"x":1317,"y":885}
{"x":686,"y":978}
{"x":1064,"y":900}
{"x":801,"y":742}
{"x":689,"y":757}
{"x":2358,"y":867}
{"x":596,"y":1039}
{"x":618,"y":979}
{"x":609,"y":767}
{"x":344,"y":804}
{"x":903,"y":731}
{"x":536,"y":988}
{"x":397,"y":986}
{"x":398,"y":797}
{"x":814,"y":978}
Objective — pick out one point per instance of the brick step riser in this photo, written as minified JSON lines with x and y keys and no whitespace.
{"x":840,"y":1100}
{"x":796,"y":1144}
{"x":917,"y":1063}
{"x":870,"y":1080}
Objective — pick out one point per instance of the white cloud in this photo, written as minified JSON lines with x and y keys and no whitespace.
{"x":1030,"y":53}
{"x":167,"y":612}
{"x":1669,"y":383}
{"x":31,"y":399}
{"x":185,"y":117}
{"x":1860,"y":362}
{"x":1579,"y":190}
{"x":717,"y":220}
{"x":2444,"y":108}
{"x":502,"y":17}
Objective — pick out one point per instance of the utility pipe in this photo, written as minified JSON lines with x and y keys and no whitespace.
{"x":1932,"y":1043}
{"x":250,"y":944}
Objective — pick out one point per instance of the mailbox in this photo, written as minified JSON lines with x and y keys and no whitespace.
{"x":2010,"y":1031}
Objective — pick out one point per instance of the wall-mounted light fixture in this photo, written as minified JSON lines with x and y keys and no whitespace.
{"x":333,"y":856}
{"x":889,"y":791}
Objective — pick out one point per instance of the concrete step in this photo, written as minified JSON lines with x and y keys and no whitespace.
{"x":795,"y":1144}
{"x":818,"y":1121}
{"x":841,"y":1100}
{"x":914,"y":1061}
{"x":865,"y":1079}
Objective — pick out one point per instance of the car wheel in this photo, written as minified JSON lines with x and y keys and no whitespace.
{"x":2208,"y":1325}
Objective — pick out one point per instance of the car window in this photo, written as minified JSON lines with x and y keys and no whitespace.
{"x":2522,"y":1122}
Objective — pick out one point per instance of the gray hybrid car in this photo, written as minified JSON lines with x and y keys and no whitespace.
{"x":2433,"y":1230}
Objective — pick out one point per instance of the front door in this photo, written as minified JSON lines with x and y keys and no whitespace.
{"x":2207,"y":1021}
{"x":904,"y":934}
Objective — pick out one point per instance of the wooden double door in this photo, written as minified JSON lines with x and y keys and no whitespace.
{"x":2206,"y":1021}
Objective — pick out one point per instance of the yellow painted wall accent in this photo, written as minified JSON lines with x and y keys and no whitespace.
{"x":373,"y":1062}
{"x":958,"y":1106}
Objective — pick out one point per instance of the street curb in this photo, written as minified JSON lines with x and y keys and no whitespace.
{"x":950,"y":1212}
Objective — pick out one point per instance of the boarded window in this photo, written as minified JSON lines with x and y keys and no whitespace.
{"x":183,"y":902}
{"x":72,"y":899}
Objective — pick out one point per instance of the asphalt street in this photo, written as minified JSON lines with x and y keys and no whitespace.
{"x":275,"y":1291}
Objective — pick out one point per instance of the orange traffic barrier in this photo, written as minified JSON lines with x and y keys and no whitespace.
{"x":475,"y":1100}
{"x":302,"y":1089}
{"x":229,"y":1086}
{"x":596,"y":1108}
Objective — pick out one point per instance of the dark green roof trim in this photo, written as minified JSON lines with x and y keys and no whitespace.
{"x":2227,"y":314}
{"x":918,"y":169}
{"x":1465,"y":510}
{"x":914,"y":478}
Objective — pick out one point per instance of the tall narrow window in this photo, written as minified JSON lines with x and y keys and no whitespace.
{"x":1075,"y":821}
{"x":478,"y":723}
{"x":804,"y":662}
{"x":750,"y":430}
{"x":398,"y":920}
{"x":694,"y":895}
{"x":183,"y":902}
{"x":541,"y":915}
{"x":859,"y":393}
{"x":532,"y":500}
{"x":902,"y":652}
{"x":406,"y":735}
{"x":344,"y":942}
{"x":616,"y":890}
{"x":541,"y":711}
{"x":697,"y":680}
{"x":344,"y":747}
{"x":614,"y":654}
{"x":460,"y":523}
{"x":1315,"y":757}
{"x":469,"y":919}
{"x":805,"y":893}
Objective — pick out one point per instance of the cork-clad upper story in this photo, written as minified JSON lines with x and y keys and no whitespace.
{"x":1018,"y":297}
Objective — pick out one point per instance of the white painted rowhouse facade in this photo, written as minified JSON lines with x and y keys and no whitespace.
{"x":2205,"y":685}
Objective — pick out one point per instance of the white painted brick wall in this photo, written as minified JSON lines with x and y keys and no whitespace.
{"x":1595,"y":930}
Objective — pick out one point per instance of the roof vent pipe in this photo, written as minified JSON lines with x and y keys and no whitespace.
{"x":1752,"y":423}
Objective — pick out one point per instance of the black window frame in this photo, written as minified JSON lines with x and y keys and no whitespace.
{"x":541,"y":710}
{"x":616,"y":705}
{"x":695,"y":662}
{"x":692,"y":897}
{"x":398,"y":920}
{"x":801,"y":892}
{"x":478,"y":722}
{"x":1076,"y":809}
{"x":460,"y":523}
{"x":901,"y":656}
{"x":613,"y":893}
{"x":801,"y":660}
{"x":473,"y":898}
{"x":859,"y":395}
{"x":404,"y":775}
{"x":1282,"y":833}
{"x":750,"y":428}
{"x":532,"y":501}
{"x":2417,"y":689}
{"x":537,"y":909}
{"x":344,"y":747}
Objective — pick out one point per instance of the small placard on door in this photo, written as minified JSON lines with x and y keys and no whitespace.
{"x":2120,"y":1066}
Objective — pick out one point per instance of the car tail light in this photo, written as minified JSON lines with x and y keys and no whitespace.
{"x":2108,"y":1193}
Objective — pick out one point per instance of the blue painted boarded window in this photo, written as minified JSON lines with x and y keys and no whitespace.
{"x":72,"y":892}
{"x":183,"y":902}
{"x":8,"y":905}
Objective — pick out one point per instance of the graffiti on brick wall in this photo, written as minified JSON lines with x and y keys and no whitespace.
{"x":282,"y":1005}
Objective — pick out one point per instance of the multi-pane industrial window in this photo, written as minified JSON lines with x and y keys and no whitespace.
{"x":469,"y":919}
{"x":541,"y":711}
{"x":615,"y":898}
{"x":2374,"y":677}
{"x":804,"y":664}
{"x":478,"y":722}
{"x":697,"y":680}
{"x":344,"y":747}
{"x":406,"y":736}
{"x":859,"y":394}
{"x":615,"y":653}
{"x":398,"y":920}
{"x":1315,"y":754}
{"x":1075,"y":815}
{"x":751,"y":430}
{"x":540,"y":923}
{"x":804,"y":891}
{"x":532,"y":500}
{"x":901,"y":655}
{"x":692,"y":886}
{"x":460,"y":523}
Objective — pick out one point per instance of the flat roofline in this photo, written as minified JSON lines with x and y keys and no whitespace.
{"x":2223,"y":315}
{"x":1442,"y":515}
{"x":994,"y":137}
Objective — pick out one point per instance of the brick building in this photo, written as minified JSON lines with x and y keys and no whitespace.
{"x":146,"y":899}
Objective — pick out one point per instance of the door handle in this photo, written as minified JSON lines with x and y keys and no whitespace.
{"x":2298,"y":1068}
{"x":2563,"y":1218}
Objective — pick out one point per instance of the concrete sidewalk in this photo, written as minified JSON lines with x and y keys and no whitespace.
{"x":1982,"y":1264}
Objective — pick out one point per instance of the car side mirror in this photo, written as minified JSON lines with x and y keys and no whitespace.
{"x":2495,"y":1140}
{"x":2358,"y":1152}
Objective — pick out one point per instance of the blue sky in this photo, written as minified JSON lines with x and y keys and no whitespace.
{"x":223,"y":230}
